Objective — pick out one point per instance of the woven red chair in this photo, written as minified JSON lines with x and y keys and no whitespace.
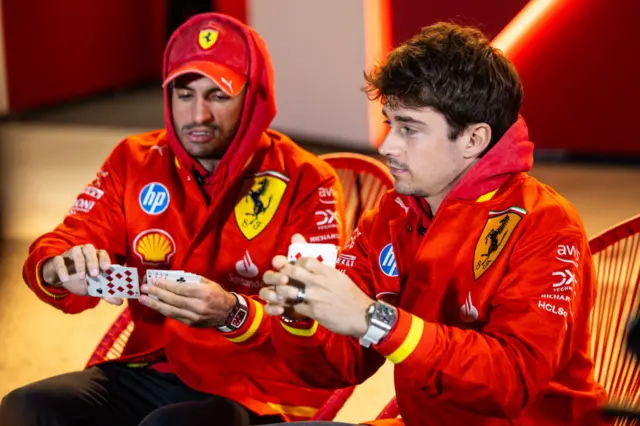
{"x":113,"y":342}
{"x":363,"y":180}
{"x":616,"y":254}
{"x":390,"y":410}
{"x":617,"y":259}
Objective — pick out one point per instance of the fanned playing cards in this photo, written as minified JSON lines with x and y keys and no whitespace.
{"x":117,"y":281}
{"x":180,"y":277}
{"x":124,"y":281}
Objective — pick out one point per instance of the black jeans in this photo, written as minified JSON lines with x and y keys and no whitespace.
{"x":114,"y":394}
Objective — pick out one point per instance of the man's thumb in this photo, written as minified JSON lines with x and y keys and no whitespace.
{"x":114,"y":300}
{"x":298,"y":238}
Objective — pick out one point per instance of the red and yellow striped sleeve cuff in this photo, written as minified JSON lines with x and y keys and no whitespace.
{"x":408,"y":333}
{"x":54,"y":293}
{"x":250,"y":326}
{"x":300,"y":328}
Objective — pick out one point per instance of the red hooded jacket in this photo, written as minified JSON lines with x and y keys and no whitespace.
{"x":146,"y":209}
{"x":494,"y":294}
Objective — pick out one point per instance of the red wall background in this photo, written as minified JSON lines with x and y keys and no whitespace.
{"x":580,"y":67}
{"x":581,"y":76}
{"x":64,"y":49}
{"x":490,"y":16}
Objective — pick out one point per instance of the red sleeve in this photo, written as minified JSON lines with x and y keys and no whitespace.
{"x":97,"y":217}
{"x":325,"y":226}
{"x":322,"y":358}
{"x":498,"y":371}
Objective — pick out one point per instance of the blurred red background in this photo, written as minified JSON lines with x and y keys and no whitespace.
{"x":579,"y":65}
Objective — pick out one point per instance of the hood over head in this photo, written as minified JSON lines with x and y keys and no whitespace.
{"x":233,"y":55}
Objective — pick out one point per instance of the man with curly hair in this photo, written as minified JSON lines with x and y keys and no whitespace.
{"x":474,"y":279}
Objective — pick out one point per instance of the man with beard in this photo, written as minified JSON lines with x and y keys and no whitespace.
{"x":216,"y":193}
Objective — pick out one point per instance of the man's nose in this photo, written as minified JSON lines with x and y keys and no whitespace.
{"x":390,"y":146}
{"x":202,"y":111}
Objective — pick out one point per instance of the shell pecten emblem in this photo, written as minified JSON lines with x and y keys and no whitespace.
{"x":154,"y":246}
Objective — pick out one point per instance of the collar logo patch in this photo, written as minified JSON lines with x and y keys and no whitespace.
{"x":496,"y":233}
{"x":261,"y":196}
{"x":207,"y":37}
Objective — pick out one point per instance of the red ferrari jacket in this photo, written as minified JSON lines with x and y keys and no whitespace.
{"x":147,"y":209}
{"x":494,"y":294}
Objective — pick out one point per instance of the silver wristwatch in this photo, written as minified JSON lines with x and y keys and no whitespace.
{"x":381,"y":317}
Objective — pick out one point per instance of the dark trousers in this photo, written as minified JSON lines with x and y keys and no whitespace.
{"x":114,"y":394}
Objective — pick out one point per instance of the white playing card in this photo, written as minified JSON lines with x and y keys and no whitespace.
{"x":171,"y":275}
{"x":117,"y":281}
{"x":155,"y":273}
{"x":94,"y":286}
{"x":183,"y":277}
{"x":325,"y":253}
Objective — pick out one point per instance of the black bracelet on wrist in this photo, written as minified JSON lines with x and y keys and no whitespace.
{"x":237,"y":317}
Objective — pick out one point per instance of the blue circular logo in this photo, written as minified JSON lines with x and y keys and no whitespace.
{"x":154,"y":198}
{"x":387,"y":261}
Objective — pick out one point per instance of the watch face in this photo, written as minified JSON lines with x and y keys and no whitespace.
{"x":238,"y":319}
{"x":385,"y":313}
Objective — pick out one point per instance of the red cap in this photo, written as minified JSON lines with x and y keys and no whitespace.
{"x":211,"y":48}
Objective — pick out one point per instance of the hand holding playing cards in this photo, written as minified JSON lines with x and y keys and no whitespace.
{"x":201,"y":304}
{"x":330,"y":297}
{"x":69,"y":270}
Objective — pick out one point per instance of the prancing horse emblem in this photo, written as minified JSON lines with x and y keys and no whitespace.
{"x":493,"y":237}
{"x":258,"y":205}
{"x":497,"y":231}
{"x":258,"y":202}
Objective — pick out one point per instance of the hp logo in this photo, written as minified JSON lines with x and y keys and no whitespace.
{"x":154,"y":198}
{"x":387,"y":261}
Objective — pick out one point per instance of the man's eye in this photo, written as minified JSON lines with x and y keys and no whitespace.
{"x":408,"y":131}
{"x":220,"y":97}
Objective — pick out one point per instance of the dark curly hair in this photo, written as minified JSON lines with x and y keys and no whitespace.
{"x":454,"y":70}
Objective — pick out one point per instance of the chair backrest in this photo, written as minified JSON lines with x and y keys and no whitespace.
{"x":112,"y":343}
{"x":390,"y":411}
{"x":364,"y":180}
{"x":616,"y":254}
{"x":334,"y":404}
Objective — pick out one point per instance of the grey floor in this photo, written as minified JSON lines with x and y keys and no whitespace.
{"x":49,"y":157}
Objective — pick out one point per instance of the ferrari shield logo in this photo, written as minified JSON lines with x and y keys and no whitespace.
{"x":494,"y":237}
{"x":258,"y":202}
{"x":207,"y":38}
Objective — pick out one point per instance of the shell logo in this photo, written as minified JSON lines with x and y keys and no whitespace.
{"x":154,"y":246}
